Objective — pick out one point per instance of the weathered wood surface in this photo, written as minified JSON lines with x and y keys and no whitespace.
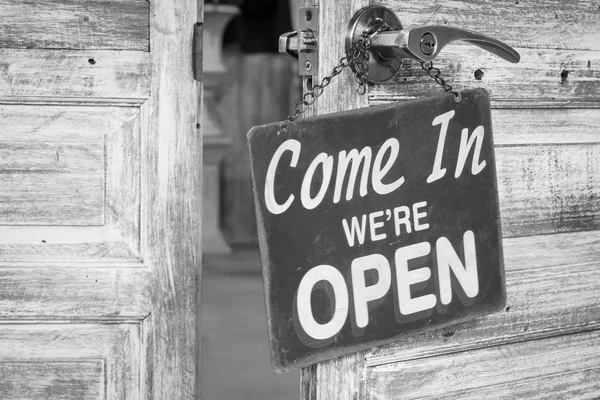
{"x":340,"y":378}
{"x":546,"y":281}
{"x":553,"y":126}
{"x":548,"y":170}
{"x":123,"y":176}
{"x":47,"y":183}
{"x":74,"y":73}
{"x":82,"y":379}
{"x":73,"y":24}
{"x":48,"y":293}
{"x":548,"y":189}
{"x":139,"y":316}
{"x":65,"y":243}
{"x":171,"y":209}
{"x":546,"y":134}
{"x":52,"y":160}
{"x":257,"y":90}
{"x":491,"y":371}
{"x":541,"y":75}
{"x":546,"y":24}
{"x":117,"y":346}
{"x":579,"y":384}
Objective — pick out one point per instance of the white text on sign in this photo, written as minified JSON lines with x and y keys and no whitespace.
{"x":377,"y":168}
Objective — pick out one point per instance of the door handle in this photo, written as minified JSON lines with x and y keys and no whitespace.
{"x":425,"y":42}
{"x":390,"y":43}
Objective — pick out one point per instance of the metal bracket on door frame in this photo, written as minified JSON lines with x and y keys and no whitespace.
{"x":302,"y":44}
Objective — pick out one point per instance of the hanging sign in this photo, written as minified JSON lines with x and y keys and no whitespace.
{"x":375,"y":224}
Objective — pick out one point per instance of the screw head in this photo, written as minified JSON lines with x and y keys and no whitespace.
{"x":307,"y":65}
{"x":428,"y":44}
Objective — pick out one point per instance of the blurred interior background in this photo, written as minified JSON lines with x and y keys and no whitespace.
{"x":246,"y":83}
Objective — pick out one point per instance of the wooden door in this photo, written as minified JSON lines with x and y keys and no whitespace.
{"x":546,"y":119}
{"x":99,"y":199}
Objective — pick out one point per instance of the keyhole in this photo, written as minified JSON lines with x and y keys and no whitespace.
{"x":428,"y":44}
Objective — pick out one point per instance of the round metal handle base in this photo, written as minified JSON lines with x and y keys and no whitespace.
{"x":381,"y":67}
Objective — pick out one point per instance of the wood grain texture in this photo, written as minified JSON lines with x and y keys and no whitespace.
{"x":53,"y":160}
{"x":72,"y":24}
{"x":548,"y":24}
{"x":339,"y":378}
{"x":171,"y":210}
{"x":81,"y":379}
{"x":51,"y":293}
{"x":66,"y":243}
{"x":123,"y":178}
{"x":539,"y":76}
{"x":489,"y":371}
{"x":580,"y":384}
{"x":257,"y":91}
{"x":551,"y":289}
{"x":117,"y":346}
{"x":548,"y":188}
{"x":548,"y":171}
{"x":556,"y":126}
{"x":47,"y":183}
{"x":74,"y":73}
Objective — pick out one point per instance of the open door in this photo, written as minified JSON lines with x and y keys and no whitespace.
{"x":100,"y":157}
{"x":545,"y":120}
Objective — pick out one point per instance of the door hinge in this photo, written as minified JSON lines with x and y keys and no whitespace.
{"x":303,"y":43}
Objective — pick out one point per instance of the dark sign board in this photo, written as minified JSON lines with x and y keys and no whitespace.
{"x":375,"y":224}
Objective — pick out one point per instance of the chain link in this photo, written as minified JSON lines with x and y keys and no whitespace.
{"x":357,"y":58}
{"x":434,"y":73}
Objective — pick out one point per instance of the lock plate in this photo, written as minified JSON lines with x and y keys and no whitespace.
{"x":382,"y":65}
{"x":308,"y":60}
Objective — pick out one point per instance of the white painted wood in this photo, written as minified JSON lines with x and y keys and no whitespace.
{"x":53,"y":162}
{"x":489,"y":372}
{"x":41,"y":379}
{"x":99,"y":252}
{"x":116,"y":346}
{"x":73,"y":73}
{"x":72,"y":24}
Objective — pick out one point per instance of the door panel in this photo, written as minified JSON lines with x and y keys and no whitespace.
{"x":487,"y":371}
{"x":104,"y":357}
{"x":100,"y":166}
{"x":75,"y":24}
{"x":545,"y":121}
{"x":31,"y":380}
{"x":74,"y":73}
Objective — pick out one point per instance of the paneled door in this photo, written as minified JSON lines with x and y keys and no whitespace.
{"x":100,"y":157}
{"x":546,"y":121}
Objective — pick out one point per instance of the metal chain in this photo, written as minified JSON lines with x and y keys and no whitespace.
{"x":357,"y":58}
{"x":434,"y":73}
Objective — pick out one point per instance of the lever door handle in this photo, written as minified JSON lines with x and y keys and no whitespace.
{"x":425,"y":42}
{"x":390,"y":42}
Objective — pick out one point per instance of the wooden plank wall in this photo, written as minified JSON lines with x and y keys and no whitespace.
{"x":257,"y":89}
{"x":546,"y":131}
